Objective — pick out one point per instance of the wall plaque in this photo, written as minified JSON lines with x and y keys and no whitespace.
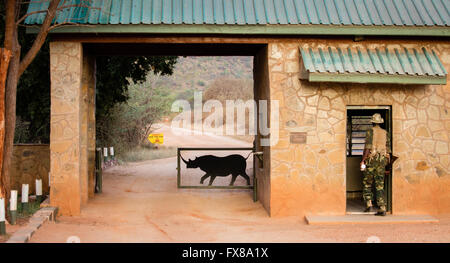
{"x":298,"y":137}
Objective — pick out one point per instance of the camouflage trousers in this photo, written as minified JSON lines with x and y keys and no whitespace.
{"x":375,"y":168}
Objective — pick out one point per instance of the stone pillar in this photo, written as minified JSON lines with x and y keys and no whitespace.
{"x":68,"y":132}
{"x":89,"y":80}
{"x":84,"y":105}
{"x":88,"y":127}
{"x":262,"y":92}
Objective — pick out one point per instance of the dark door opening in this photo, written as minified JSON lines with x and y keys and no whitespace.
{"x":358,"y":121}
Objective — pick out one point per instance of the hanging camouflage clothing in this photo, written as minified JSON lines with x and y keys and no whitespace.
{"x":378,"y":142}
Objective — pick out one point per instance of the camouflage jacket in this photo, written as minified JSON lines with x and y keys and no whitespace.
{"x":371,"y":145}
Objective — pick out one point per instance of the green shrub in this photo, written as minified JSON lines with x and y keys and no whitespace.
{"x":128,"y":124}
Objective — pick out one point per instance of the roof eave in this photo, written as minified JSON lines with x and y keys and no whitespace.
{"x":440,"y":31}
{"x":376,"y":78}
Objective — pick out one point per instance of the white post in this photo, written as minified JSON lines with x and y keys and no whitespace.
{"x":105,"y":152}
{"x":38,"y":187}
{"x":49,"y":179}
{"x":39,"y":190}
{"x":25,"y":198}
{"x":13,"y":206}
{"x":111,"y":152}
{"x":2,"y":210}
{"x":25,"y":193}
{"x":2,"y":217}
{"x":13,"y":201}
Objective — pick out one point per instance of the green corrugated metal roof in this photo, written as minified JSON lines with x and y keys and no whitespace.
{"x":423,"y":14}
{"x":373,"y":64}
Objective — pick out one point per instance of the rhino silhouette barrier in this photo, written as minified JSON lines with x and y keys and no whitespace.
{"x":230,"y":169}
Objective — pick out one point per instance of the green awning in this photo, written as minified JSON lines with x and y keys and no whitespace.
{"x":360,"y":64}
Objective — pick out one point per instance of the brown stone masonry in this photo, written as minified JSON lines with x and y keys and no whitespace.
{"x":310,"y":178}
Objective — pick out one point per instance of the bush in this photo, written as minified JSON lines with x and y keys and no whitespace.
{"x":127,"y":125}
{"x":229,"y":89}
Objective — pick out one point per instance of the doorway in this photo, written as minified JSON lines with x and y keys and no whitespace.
{"x":358,"y":121}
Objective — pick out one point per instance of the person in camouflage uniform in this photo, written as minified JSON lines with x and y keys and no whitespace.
{"x":375,"y":158}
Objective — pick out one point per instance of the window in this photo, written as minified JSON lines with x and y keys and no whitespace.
{"x":357,"y":137}
{"x":358,"y":122}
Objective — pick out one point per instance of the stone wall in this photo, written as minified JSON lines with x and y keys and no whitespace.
{"x":310,"y":178}
{"x":30,"y":162}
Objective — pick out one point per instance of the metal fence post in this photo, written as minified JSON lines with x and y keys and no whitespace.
{"x":98,"y":170}
{"x":178,"y":168}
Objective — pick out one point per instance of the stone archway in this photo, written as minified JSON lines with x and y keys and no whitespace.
{"x":72,"y":139}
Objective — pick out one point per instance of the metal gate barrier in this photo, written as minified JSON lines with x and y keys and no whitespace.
{"x":179,"y":184}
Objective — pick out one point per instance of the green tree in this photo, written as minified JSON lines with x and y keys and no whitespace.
{"x":19,"y":57}
{"x":127,"y":124}
{"x":113,"y":75}
{"x":22,"y":54}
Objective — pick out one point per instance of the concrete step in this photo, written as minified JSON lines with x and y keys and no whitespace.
{"x":42,"y":216}
{"x":368,"y":219}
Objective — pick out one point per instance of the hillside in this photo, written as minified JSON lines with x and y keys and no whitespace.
{"x":219,"y":78}
{"x":197,"y":73}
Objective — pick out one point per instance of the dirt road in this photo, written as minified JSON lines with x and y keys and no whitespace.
{"x":179,"y":137}
{"x":141,"y":203}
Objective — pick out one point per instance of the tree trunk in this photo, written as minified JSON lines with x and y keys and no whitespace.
{"x":11,"y":44}
{"x":10,"y":112}
{"x":5,"y":56}
{"x":16,"y":68}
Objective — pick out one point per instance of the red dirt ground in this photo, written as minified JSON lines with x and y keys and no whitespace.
{"x":11,"y":229}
